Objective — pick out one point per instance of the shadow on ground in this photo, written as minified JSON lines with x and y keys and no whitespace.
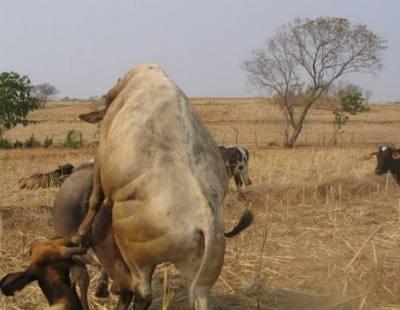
{"x":269,"y":299}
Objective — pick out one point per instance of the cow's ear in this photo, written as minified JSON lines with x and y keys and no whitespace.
{"x":93,"y":117}
{"x":396,"y":155}
{"x":373,"y":154}
{"x":16,"y":281}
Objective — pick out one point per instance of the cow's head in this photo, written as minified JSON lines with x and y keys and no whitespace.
{"x":386,"y":156}
{"x":66,"y":169}
{"x":50,"y":262}
{"x":236,"y":160}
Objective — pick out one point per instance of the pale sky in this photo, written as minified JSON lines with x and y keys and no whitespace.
{"x":83,"y":46}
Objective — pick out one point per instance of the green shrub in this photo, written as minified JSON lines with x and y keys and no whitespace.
{"x":353,"y":104}
{"x":350,"y":104}
{"x":32,"y":142}
{"x":73,"y":139}
{"x":48,"y":141}
{"x":5,"y":143}
{"x":16,"y":100}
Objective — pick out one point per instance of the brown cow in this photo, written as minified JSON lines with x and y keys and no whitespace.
{"x":48,"y":179}
{"x":50,"y":264}
{"x":163,"y":174}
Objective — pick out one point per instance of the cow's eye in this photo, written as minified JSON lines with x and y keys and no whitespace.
{"x":240,"y":168}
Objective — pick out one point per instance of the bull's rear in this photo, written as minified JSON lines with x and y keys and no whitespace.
{"x":162,"y":172}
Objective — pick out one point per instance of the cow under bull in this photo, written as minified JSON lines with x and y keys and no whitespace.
{"x":70,"y":208}
{"x":162,"y":173}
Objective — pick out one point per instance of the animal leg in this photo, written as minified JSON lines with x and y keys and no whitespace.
{"x":79,"y":275}
{"x":200,"y":292}
{"x":102,"y":286}
{"x":95,"y":200}
{"x":238,"y":181}
{"x":202,"y":269}
{"x":143,"y":294}
{"x":142,"y":303}
{"x":125,"y":299}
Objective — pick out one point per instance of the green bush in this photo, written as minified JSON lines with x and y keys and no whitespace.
{"x":353,"y":104}
{"x":48,"y":141}
{"x":5,"y":144}
{"x":15,"y":100}
{"x":31,"y":142}
{"x":350,"y":104}
{"x":73,"y":139}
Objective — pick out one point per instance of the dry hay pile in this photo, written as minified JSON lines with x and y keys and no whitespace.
{"x":325,"y":235}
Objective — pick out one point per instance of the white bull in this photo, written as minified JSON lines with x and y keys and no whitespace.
{"x":159,"y":168}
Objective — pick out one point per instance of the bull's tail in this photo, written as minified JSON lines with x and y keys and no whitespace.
{"x":244,"y":222}
{"x":213,"y":257}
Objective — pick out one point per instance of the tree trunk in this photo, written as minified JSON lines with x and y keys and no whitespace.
{"x":295,"y":134}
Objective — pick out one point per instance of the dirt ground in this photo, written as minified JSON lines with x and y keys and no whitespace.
{"x":326,"y":231}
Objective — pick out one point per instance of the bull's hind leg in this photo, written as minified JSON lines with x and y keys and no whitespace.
{"x":125,"y":299}
{"x":202,"y":290}
{"x":95,"y":200}
{"x":199,"y":289}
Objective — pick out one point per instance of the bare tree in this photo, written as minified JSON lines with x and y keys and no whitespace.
{"x":299,"y":64}
{"x":43,"y":92}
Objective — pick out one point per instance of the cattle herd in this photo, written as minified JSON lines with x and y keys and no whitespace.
{"x":152,"y":194}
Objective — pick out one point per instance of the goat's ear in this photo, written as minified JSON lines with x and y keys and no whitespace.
{"x":16,"y":281}
{"x":396,"y":155}
{"x":93,"y":117}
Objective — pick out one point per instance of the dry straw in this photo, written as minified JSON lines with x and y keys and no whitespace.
{"x":326,"y":230}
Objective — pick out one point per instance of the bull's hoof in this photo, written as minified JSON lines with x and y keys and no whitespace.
{"x":76,"y":239}
{"x":79,"y":240}
{"x":102,"y":291}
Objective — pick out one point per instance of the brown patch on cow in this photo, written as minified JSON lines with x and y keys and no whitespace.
{"x":45,"y":251}
{"x":53,"y":275}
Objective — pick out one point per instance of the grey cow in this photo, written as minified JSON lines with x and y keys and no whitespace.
{"x":70,"y":207}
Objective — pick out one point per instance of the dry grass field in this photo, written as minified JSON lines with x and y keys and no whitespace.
{"x":326,"y":233}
